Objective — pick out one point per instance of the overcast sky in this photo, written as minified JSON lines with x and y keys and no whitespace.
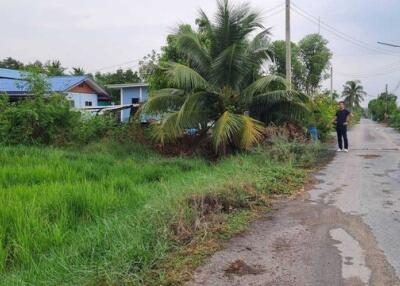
{"x":107,"y":34}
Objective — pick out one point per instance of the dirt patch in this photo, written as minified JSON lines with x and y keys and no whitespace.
{"x":207,"y":211}
{"x":241,"y":268}
{"x":370,"y":156}
{"x":281,"y":244}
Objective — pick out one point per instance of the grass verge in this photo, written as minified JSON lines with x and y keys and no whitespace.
{"x":112,"y":214}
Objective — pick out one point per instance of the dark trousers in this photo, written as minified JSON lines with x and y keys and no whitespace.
{"x":342,"y":137}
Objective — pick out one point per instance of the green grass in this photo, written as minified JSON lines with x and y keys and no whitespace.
{"x":105,"y":214}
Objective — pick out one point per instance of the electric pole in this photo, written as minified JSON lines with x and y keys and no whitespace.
{"x":288,"y":45}
{"x":386,"y":101}
{"x":319,"y":25}
{"x":332,"y":81}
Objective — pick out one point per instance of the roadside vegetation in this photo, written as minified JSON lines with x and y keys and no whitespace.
{"x":113,"y":213}
{"x":86,"y":200}
{"x":385,"y":109}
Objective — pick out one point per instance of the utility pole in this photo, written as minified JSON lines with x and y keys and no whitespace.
{"x":319,"y":25}
{"x":386,"y":101}
{"x":332,"y":81}
{"x":288,"y":45}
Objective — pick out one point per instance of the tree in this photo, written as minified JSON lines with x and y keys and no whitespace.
{"x":151,"y":70}
{"x":314,"y":56}
{"x":353,"y":93}
{"x":152,"y":66}
{"x":383,"y":107}
{"x":278,"y":66}
{"x":310,"y":62}
{"x":78,"y":71}
{"x":117,"y":77}
{"x":54,"y":68}
{"x":10,"y":63}
{"x":221,"y":82}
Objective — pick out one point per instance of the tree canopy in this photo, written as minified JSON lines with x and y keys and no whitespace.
{"x":310,"y":62}
{"x":219,"y":81}
{"x":353,"y":93}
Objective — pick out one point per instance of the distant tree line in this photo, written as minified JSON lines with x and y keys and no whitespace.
{"x":55,"y":68}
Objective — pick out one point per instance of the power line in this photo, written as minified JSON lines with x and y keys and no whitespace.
{"x":338,"y":33}
{"x":271,"y":12}
{"x":274,"y":13}
{"x":368,"y":75}
{"x":117,"y":65}
{"x":276,"y":7}
{"x":396,"y":88}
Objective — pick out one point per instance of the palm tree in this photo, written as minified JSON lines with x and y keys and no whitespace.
{"x":220,"y":90}
{"x":78,"y":71}
{"x":54,"y":68}
{"x":353,"y":93}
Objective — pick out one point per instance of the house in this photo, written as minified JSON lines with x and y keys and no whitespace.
{"x":132,"y":94}
{"x":82,"y":91}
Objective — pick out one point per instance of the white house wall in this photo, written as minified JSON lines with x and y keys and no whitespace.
{"x":80,"y":99}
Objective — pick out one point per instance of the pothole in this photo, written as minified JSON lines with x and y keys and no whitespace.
{"x":370,"y":156}
{"x":241,"y":268}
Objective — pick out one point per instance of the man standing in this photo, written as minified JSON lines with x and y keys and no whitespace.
{"x":342,"y":119}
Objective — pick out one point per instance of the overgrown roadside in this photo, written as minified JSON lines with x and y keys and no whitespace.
{"x":219,"y":216}
{"x":112,"y":214}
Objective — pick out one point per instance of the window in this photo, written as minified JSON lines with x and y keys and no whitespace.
{"x":88,"y":103}
{"x":72,"y":103}
{"x":135,"y":100}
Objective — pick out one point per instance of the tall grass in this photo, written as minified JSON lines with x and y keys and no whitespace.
{"x":101,"y":215}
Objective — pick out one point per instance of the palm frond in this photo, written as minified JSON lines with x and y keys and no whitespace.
{"x":188,"y":43}
{"x":251,"y":133}
{"x":186,"y":78}
{"x":241,"y":130}
{"x":225,"y":128}
{"x":259,"y":48}
{"x":167,"y":130}
{"x":287,"y":104}
{"x":209,"y":29}
{"x":229,"y":67}
{"x":165,"y":100}
{"x":233,"y":24}
{"x":196,"y":110}
{"x":265,"y":84}
{"x":292,"y":111}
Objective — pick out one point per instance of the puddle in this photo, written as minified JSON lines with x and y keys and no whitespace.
{"x":353,"y":258}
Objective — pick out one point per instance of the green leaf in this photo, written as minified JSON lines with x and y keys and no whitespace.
{"x":241,"y":130}
{"x":186,"y":78}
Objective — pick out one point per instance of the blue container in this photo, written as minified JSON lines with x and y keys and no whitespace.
{"x":314,"y":133}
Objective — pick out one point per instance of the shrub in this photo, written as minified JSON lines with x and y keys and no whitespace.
{"x":323,"y":110}
{"x":36,"y":121}
{"x":394,"y":120}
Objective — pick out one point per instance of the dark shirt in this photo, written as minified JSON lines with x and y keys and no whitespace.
{"x":341,"y":117}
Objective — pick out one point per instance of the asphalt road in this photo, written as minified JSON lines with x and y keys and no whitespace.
{"x":345,"y":231}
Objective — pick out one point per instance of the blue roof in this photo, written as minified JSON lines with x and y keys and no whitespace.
{"x":13,"y":86}
{"x":63,"y":83}
{"x":57,"y":84}
{"x":13,"y":82}
{"x":12,"y":74}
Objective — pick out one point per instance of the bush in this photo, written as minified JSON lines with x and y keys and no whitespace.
{"x":383,"y":107}
{"x":50,"y":121}
{"x":323,"y":110}
{"x":36,"y":121}
{"x":91,"y":128}
{"x":394,"y":120}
